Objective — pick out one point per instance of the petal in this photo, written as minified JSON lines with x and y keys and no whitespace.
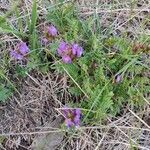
{"x":78,"y":111}
{"x":76,"y":121}
{"x":52,"y":31}
{"x":118,"y":78}
{"x":62,"y":45}
{"x":69,"y":123}
{"x":74,"y":49}
{"x":67,"y":59}
{"x":19,"y":57}
{"x":44,"y":41}
{"x":15,"y":55}
{"x":12,"y":53}
{"x":79,"y":51}
{"x":23,"y":48}
{"x":61,"y":48}
{"x":77,"y":115}
{"x":60,"y":52}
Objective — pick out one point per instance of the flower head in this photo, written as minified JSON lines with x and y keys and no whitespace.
{"x":52,"y":31}
{"x":118,"y":78}
{"x":72,"y":117}
{"x":20,"y":51}
{"x":69,"y":52}
{"x":62,"y":48}
{"x":23,"y":48}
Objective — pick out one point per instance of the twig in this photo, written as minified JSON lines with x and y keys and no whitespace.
{"x":115,"y":10}
{"x":129,"y":145}
{"x":139,"y":119}
{"x":30,"y":133}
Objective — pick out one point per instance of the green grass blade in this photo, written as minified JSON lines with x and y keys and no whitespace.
{"x":33,"y":17}
{"x":7,"y":29}
{"x":19,"y":21}
{"x":33,"y":40}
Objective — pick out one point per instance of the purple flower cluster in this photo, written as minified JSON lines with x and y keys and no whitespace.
{"x":20,"y":51}
{"x":69,"y":51}
{"x":72,"y":117}
{"x":50,"y":33}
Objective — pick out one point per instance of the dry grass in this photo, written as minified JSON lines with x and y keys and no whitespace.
{"x":33,"y":108}
{"x":127,"y":131}
{"x":30,"y":113}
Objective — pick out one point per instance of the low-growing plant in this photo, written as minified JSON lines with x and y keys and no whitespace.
{"x":108,"y":76}
{"x":105,"y":72}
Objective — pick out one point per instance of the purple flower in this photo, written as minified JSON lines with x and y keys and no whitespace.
{"x":20,"y":51}
{"x":72,"y":117}
{"x":62,"y":47}
{"x":15,"y":55}
{"x":66,"y":59}
{"x":69,"y":123}
{"x":77,"y":50}
{"x":77,"y":117}
{"x":23,"y":48}
{"x":118,"y":78}
{"x":44,"y":41}
{"x":52,"y":31}
{"x":69,"y":52}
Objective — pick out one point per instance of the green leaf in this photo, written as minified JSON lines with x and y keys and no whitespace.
{"x":33,"y":17}
{"x":19,"y":21}
{"x":75,"y":91}
{"x":5,"y":93}
{"x":33,"y":40}
{"x":72,"y":70}
{"x":6,"y":28}
{"x":107,"y":101}
{"x":2,"y":20}
{"x":20,"y":71}
{"x":2,"y":138}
